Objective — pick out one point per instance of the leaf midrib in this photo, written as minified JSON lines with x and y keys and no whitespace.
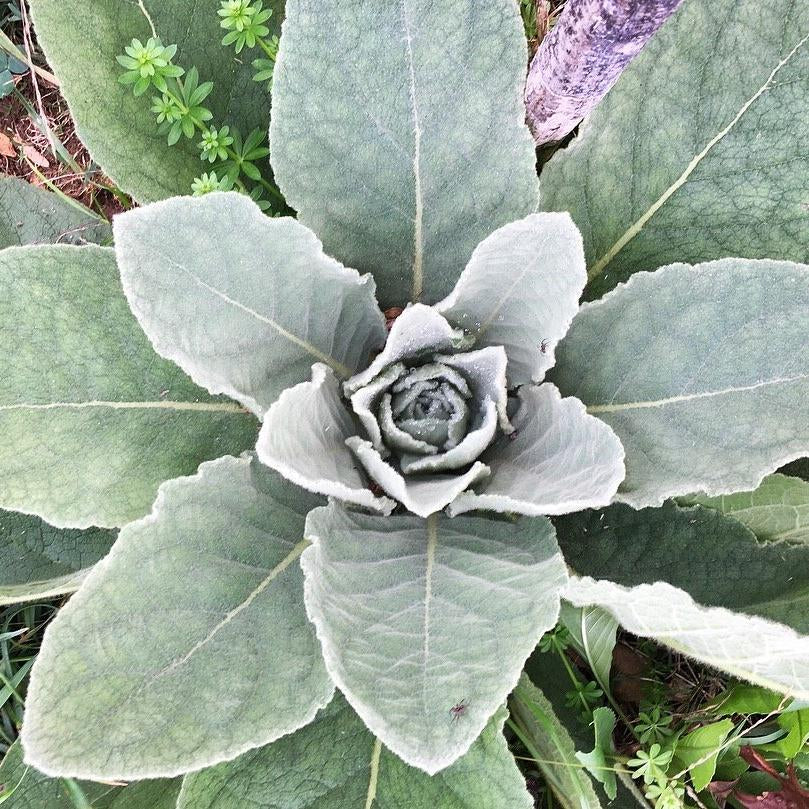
{"x":157,"y":404}
{"x":636,"y":227}
{"x":652,"y":403}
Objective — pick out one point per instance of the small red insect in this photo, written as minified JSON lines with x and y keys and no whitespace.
{"x":459,"y":709}
{"x":543,"y":346}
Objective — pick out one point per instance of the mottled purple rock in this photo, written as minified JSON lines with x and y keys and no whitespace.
{"x":583,"y":56}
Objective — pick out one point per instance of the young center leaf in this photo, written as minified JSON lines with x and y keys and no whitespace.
{"x":702,"y":372}
{"x":189,"y":643}
{"x":698,"y":151}
{"x":40,"y":561}
{"x":698,"y":582}
{"x":370,"y":133}
{"x":335,"y":763}
{"x":244,"y":303}
{"x":82,"y":42}
{"x":520,"y":290}
{"x":419,"y":616}
{"x":91,"y":419}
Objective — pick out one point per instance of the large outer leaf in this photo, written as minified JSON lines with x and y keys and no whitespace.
{"x":521,"y":290}
{"x":38,"y":560}
{"x":332,"y":763}
{"x":675,"y":574}
{"x":702,"y":372}
{"x":416,"y":616}
{"x":405,"y":147}
{"x":189,"y":643}
{"x":81,"y":41}
{"x":244,"y":303}
{"x":29,"y":215}
{"x":91,"y":419}
{"x":698,"y":152}
{"x":778,"y":510}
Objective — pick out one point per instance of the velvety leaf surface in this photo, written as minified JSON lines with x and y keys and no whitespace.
{"x":242,"y":302}
{"x":303,"y":437}
{"x":520,"y":290}
{"x":81,"y":41}
{"x":329,"y":765}
{"x":698,"y":151}
{"x":403,"y":149}
{"x":418,"y":616}
{"x":37,"y":791}
{"x":30,"y":215}
{"x":558,"y":460}
{"x":91,"y":419}
{"x":40,"y":561}
{"x":552,"y":747}
{"x":701,"y":371}
{"x":33,"y":790}
{"x":675,"y":574}
{"x":778,"y":510}
{"x":195,"y":620}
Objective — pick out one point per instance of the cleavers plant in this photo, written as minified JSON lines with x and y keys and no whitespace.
{"x":207,"y":383}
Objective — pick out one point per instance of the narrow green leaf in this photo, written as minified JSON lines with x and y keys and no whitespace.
{"x":404,"y":151}
{"x":242,"y":302}
{"x":778,"y":510}
{"x":194,"y":620}
{"x":333,"y":762}
{"x":705,"y":378}
{"x":91,"y":419}
{"x":29,"y":215}
{"x":667,"y":170}
{"x":600,"y":760}
{"x":82,"y":41}
{"x":40,"y":561}
{"x":442,"y":611}
{"x":593,"y":632}
{"x":700,"y":749}
{"x":553,"y":750}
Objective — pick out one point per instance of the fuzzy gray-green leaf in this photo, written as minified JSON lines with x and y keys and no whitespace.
{"x":244,"y":303}
{"x":704,"y":377}
{"x":402,"y":150}
{"x":777,"y":511}
{"x":91,"y":419}
{"x":699,"y":582}
{"x":30,"y":215}
{"x":40,"y":561}
{"x":520,"y":290}
{"x":195,"y":620}
{"x":329,"y":765}
{"x":81,"y":42}
{"x":389,"y":596}
{"x":698,"y":152}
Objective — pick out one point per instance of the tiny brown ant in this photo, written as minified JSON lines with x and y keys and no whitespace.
{"x":459,"y":709}
{"x":512,"y":436}
{"x":543,"y":346}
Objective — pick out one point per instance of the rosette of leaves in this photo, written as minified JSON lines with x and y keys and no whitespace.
{"x":208,"y":642}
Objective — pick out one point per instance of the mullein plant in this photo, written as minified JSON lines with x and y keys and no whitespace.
{"x":336,"y":548}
